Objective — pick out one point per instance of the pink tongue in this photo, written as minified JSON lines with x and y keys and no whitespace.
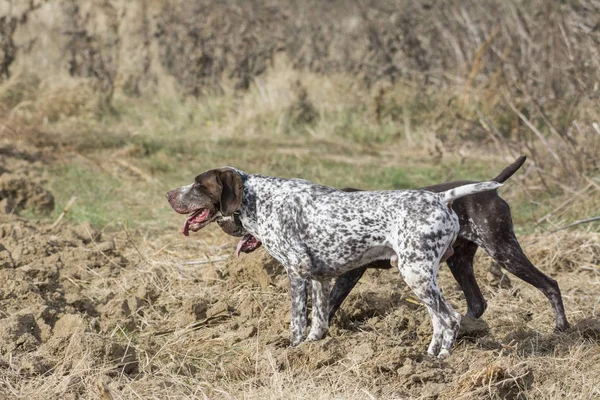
{"x":188,"y":221}
{"x":241,"y":244}
{"x":186,"y":226}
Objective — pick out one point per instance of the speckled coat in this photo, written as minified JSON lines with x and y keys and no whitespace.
{"x":317,"y":233}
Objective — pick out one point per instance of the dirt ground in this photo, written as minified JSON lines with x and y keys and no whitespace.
{"x":117,"y":314}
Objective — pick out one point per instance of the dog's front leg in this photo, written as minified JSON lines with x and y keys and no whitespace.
{"x":298,"y":310}
{"x":320,"y":309}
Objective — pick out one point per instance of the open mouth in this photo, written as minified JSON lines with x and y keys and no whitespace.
{"x":197,"y":220}
{"x":247,"y":245}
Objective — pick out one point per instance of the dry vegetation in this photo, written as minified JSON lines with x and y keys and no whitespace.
{"x":106,"y":105}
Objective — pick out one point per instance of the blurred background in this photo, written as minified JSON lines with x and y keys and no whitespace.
{"x":107,"y":104}
{"x":375,"y":94}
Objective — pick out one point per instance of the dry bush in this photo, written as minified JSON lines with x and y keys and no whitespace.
{"x":19,"y":90}
{"x":8,"y":25}
{"x":565,"y":251}
{"x":510,"y":77}
{"x":232,"y":41}
{"x":69,"y":98}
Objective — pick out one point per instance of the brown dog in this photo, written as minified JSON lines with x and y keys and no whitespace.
{"x":485,"y":221}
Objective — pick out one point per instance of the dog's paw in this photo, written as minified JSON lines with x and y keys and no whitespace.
{"x":434,"y":348}
{"x":443,"y":354}
{"x":313,"y":337}
{"x":317,"y":332}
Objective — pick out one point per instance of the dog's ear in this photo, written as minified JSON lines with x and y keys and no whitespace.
{"x":233,"y":189}
{"x":223,"y":186}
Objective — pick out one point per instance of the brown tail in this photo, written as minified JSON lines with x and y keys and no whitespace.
{"x":510,"y":170}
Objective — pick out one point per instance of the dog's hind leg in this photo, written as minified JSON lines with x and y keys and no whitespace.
{"x":343,"y":285}
{"x":421,"y":277}
{"x":508,"y":253}
{"x":461,"y":265}
{"x":320,"y":309}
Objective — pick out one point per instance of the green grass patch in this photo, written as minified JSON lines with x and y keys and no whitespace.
{"x":104,"y":198}
{"x":173,"y":140}
{"x":98,"y":194}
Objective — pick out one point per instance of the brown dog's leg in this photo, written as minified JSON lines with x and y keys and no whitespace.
{"x":461,"y":266}
{"x":508,"y":254}
{"x":343,"y":285}
{"x":346,"y":282}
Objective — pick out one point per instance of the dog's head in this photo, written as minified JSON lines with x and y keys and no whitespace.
{"x":214,"y":194}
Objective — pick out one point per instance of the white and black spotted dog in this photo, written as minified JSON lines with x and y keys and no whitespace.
{"x":318,"y":233}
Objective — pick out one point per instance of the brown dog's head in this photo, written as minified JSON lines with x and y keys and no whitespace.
{"x":214,"y":194}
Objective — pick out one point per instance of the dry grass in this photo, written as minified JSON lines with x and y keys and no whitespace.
{"x":565,"y":251}
{"x":144,"y":313}
{"x":113,"y":303}
{"x":170,"y":328}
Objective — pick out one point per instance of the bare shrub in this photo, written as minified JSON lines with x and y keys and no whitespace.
{"x":203,"y":43}
{"x":69,"y":98}
{"x":513,"y":76}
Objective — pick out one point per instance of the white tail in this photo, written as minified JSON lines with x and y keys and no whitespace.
{"x":461,"y":191}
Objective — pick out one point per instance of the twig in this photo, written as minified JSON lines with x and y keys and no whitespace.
{"x":133,"y":243}
{"x":533,"y":129}
{"x":196,"y":325}
{"x":64,"y":212}
{"x":100,"y":251}
{"x":12,"y":262}
{"x":206,"y":322}
{"x":564,"y":203}
{"x":491,"y":131}
{"x":592,"y":182}
{"x":73,"y":282}
{"x":103,"y":389}
{"x":135,"y":170}
{"x":582,"y":87}
{"x":583,"y":221}
{"x":201,"y":262}
{"x":407,"y":126}
{"x":478,"y":59}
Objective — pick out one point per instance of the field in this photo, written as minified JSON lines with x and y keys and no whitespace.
{"x":102,"y":297}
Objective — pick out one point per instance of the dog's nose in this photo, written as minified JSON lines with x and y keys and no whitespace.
{"x":169,"y":194}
